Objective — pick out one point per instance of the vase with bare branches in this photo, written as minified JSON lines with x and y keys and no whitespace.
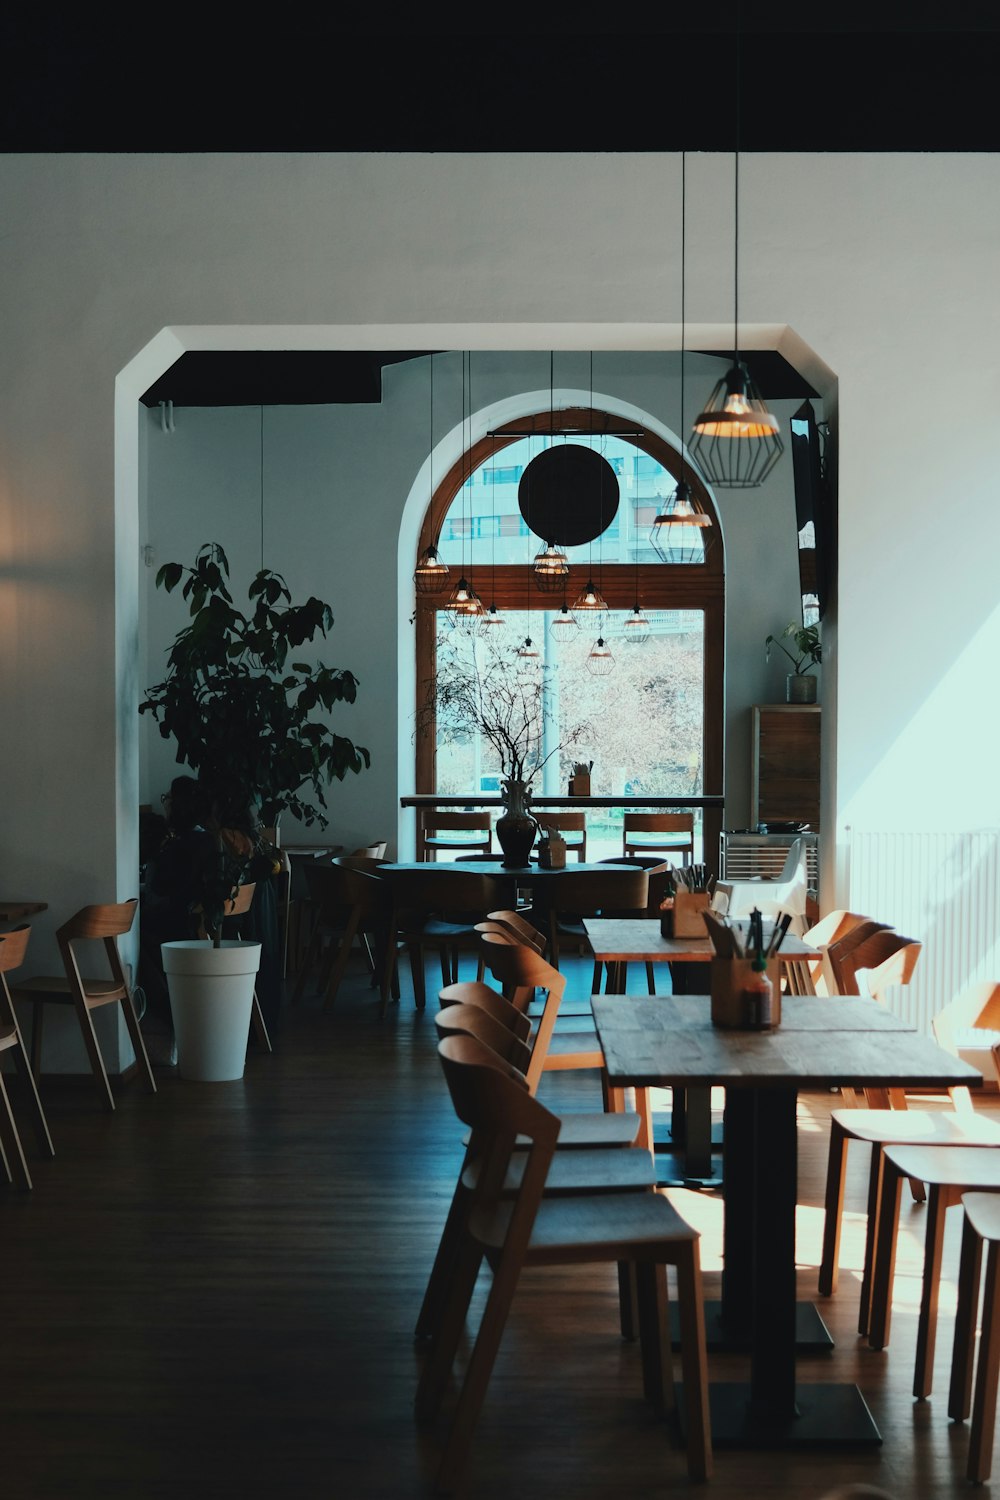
{"x":485,"y":686}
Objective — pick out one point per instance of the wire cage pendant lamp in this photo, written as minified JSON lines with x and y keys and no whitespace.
{"x":564,"y":627}
{"x":600,"y":662}
{"x":679,"y":533}
{"x":736,"y":438}
{"x":464,"y":604}
{"x":431,"y":574}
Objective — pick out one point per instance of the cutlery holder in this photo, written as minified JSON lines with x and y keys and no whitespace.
{"x":689,"y":909}
{"x":730,"y":980}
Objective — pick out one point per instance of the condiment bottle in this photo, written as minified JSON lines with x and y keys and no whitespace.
{"x":667,"y":917}
{"x":758,"y":996}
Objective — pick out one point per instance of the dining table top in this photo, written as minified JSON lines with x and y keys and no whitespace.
{"x":14,"y":910}
{"x":822,"y":1042}
{"x":524,"y":873}
{"x":638,"y":939}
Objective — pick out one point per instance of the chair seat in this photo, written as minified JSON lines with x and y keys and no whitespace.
{"x":585,"y":1171}
{"x":8,"y":1038}
{"x":983,"y":1212}
{"x":947,"y":1166}
{"x":440,"y":929}
{"x":584,"y":1229}
{"x":55,"y":988}
{"x":565,"y":1044}
{"x":918,"y":1127}
{"x":582,"y":1130}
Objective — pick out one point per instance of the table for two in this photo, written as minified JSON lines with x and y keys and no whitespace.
{"x":618,"y":942}
{"x":822,"y":1043}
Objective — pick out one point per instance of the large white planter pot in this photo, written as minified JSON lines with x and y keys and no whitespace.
{"x":211,"y":999}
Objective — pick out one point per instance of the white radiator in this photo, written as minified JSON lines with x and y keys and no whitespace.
{"x":943,"y":889}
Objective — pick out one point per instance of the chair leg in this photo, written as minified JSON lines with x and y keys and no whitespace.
{"x":964,"y":1348}
{"x":694,"y":1360}
{"x":443,"y":1269}
{"x":11,"y":1152}
{"x":477,"y":1376}
{"x":448,"y":1333}
{"x":650,"y":979}
{"x":416,"y":953}
{"x":654,"y":1340}
{"x":875,"y":1175}
{"x":96,"y":1060}
{"x":259,"y":1028}
{"x":836,"y":1172}
{"x":884,"y":1268}
{"x":923,"y":1370}
{"x":39,"y":1121}
{"x":343,"y":953}
{"x":37,"y":1017}
{"x":984,"y":1406}
{"x":138,"y":1043}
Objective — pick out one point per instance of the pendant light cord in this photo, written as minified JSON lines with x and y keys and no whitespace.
{"x":736,"y":204}
{"x":262,"y":488}
{"x":683,"y":293}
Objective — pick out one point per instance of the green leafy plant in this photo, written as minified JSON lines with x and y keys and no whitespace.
{"x":808,"y":652}
{"x":247,"y":724}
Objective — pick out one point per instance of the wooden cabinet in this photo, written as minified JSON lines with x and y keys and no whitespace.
{"x":784,"y":776}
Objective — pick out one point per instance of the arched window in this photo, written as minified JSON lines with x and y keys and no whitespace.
{"x":654,"y":724}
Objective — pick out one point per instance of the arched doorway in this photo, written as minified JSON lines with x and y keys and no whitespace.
{"x":660,"y":714}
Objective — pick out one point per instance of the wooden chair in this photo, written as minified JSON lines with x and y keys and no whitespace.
{"x":659,"y":833}
{"x":436,"y":909}
{"x":431,"y":825}
{"x":573,"y":828}
{"x":528,"y":1230}
{"x":878,"y":1128}
{"x":351,"y":905}
{"x":831,"y":929}
{"x":103,"y":923}
{"x":590,"y":893}
{"x":981,"y":1230}
{"x":661,"y":874}
{"x":948,"y":1172}
{"x":580,"y":1129}
{"x":369,"y":851}
{"x":583,"y":1169}
{"x":235,"y":909}
{"x":12,"y":949}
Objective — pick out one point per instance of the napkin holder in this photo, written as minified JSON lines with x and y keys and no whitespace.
{"x":579,"y":782}
{"x":689,"y":913}
{"x":552,"y":851}
{"x":730,"y":977}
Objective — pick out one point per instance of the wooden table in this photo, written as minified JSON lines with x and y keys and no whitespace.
{"x":619,"y":942}
{"x":822,"y":1043}
{"x":16,"y":911}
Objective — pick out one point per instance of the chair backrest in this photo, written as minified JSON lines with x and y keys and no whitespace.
{"x":13,"y":946}
{"x":612,"y":891}
{"x":347,"y":881}
{"x":563,"y":823}
{"x":829,"y":929}
{"x":370,"y":851}
{"x":106,"y":923}
{"x":242,"y":901}
{"x":447,"y":890}
{"x":680,"y":827}
{"x":837,"y":956}
{"x":969,"y":1027}
{"x":518,"y":928}
{"x":888,"y":957}
{"x":472,"y":1020}
{"x":492,"y":1102}
{"x":473,"y":992}
{"x":431,"y":825}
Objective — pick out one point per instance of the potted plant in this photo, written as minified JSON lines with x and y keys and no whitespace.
{"x":250,"y":725}
{"x":484,"y":686}
{"x":807,"y":654}
{"x":243,"y":719}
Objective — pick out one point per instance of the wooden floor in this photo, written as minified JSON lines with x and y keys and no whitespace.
{"x":213,"y":1293}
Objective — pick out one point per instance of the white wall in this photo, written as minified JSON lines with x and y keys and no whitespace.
{"x":885,"y":266}
{"x":336,"y":480}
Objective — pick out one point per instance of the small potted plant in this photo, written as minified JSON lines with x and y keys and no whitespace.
{"x":807,"y":654}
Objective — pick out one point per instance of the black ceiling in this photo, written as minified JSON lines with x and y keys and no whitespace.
{"x":337,"y":377}
{"x":915,"y":76}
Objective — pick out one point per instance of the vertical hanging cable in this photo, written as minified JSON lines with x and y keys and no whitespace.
{"x":262,"y":487}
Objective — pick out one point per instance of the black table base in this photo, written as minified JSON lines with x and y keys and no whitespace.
{"x":811,"y":1334}
{"x":829,"y":1416}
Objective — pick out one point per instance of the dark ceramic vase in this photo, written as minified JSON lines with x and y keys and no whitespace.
{"x":516,"y":828}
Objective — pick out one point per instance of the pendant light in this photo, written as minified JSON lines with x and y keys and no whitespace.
{"x":590,"y":603}
{"x":492,"y":623}
{"x":636,"y":628}
{"x":736,"y":442}
{"x":600,"y":662}
{"x":564,"y":627}
{"x":551,"y":565}
{"x":676,"y":534}
{"x":431,"y":574}
{"x":527,"y":650}
{"x":464,"y":604}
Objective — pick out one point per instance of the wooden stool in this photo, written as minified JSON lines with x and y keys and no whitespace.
{"x":981,"y":1228}
{"x":12,"y":950}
